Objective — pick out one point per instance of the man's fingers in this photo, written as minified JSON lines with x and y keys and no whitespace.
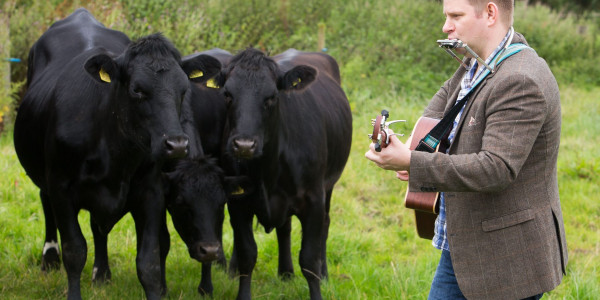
{"x":402,"y":175}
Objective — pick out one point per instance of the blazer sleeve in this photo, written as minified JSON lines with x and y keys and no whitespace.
{"x":515,"y":110}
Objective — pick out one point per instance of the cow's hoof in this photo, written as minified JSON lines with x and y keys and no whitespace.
{"x":50,"y":261}
{"x":286,"y":275}
{"x":101,"y":276}
{"x":205,"y":291}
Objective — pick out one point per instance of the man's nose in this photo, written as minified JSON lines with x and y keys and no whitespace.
{"x":448,"y":27}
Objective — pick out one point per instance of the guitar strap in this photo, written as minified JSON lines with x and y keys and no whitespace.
{"x":431,"y":141}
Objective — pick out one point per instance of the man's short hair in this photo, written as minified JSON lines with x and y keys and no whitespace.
{"x":505,"y":6}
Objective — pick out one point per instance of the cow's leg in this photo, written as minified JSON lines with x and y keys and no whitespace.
{"x":148,"y":215}
{"x":165,"y":246}
{"x":233,"y":264}
{"x":324,"y":271}
{"x":101,"y":272}
{"x":73,"y":243}
{"x":313,"y":223}
{"x":148,"y":255}
{"x":206,"y":286}
{"x":51,"y":252}
{"x":286,"y":269}
{"x":244,"y":246}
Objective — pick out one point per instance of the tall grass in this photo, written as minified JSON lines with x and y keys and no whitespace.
{"x":389,"y":60}
{"x":373,"y":249}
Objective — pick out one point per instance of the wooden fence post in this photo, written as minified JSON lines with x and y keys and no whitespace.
{"x":321,"y":38}
{"x":5,"y":99}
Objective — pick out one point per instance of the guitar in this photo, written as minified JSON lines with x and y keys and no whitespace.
{"x":424,"y":203}
{"x":381,"y":127}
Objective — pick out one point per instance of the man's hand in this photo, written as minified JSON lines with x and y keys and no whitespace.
{"x":402,"y":175}
{"x":395,"y":157}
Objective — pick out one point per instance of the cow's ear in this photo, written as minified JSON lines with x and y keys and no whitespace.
{"x":102,"y":68}
{"x":237,"y":186}
{"x":297,"y":78}
{"x":201,"y":68}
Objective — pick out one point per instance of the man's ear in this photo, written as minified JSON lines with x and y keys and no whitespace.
{"x":102,"y":68}
{"x":491,"y":12}
{"x":201,"y":68}
{"x":297,"y":78}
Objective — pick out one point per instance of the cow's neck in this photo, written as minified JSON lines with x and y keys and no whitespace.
{"x":270,"y":160}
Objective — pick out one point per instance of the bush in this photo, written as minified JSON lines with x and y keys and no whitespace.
{"x":568,"y":44}
{"x":382,"y":46}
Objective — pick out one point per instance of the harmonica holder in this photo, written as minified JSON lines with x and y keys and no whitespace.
{"x":449,"y":45}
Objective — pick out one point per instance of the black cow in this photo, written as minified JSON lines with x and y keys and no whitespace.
{"x":194,"y":185}
{"x":196,"y":193}
{"x":196,"y":201}
{"x":290,"y":131}
{"x":100,"y":117}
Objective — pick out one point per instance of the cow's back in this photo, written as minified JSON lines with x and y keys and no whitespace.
{"x":66,"y":38}
{"x":317,"y":120}
{"x":321,"y":61}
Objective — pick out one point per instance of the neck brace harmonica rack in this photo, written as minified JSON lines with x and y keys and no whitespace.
{"x":449,"y":45}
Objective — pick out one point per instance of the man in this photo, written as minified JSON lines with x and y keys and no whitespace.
{"x":500,"y":226}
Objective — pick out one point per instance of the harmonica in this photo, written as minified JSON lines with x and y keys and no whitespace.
{"x":449,"y":45}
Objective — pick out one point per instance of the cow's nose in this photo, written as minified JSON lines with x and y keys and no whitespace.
{"x":244,"y":147}
{"x":206,"y":252}
{"x":176,"y":147}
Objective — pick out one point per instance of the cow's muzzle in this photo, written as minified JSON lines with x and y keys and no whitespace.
{"x":205,"y":252}
{"x":244,"y":148}
{"x":176,"y":147}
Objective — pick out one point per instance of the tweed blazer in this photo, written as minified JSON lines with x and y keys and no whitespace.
{"x":504,"y":221}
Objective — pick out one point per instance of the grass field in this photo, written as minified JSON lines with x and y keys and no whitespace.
{"x":373,"y":250}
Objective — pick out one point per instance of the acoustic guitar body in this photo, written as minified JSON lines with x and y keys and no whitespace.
{"x":424,"y":203}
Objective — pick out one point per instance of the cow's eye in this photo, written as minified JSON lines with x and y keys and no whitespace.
{"x":137,"y":92}
{"x":269,"y":102}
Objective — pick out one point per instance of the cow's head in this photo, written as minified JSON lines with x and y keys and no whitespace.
{"x":253,"y":86}
{"x":196,"y":199}
{"x":148,"y":82}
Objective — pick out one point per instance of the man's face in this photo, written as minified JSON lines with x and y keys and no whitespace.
{"x":463,"y":22}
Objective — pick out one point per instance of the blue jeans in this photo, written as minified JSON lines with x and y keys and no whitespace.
{"x":445,"y":286}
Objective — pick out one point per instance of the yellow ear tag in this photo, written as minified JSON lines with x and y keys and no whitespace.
{"x":212,"y":83}
{"x":104,"y":76}
{"x":239,"y":191}
{"x":196,"y":74}
{"x":296,"y":82}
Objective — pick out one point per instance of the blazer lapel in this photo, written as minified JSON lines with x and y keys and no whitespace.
{"x":472,"y":98}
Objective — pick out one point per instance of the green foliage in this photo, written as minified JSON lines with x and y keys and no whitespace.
{"x":578,"y":6}
{"x":568,"y":44}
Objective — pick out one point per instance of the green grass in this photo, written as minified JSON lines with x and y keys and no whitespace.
{"x":373,"y":249}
